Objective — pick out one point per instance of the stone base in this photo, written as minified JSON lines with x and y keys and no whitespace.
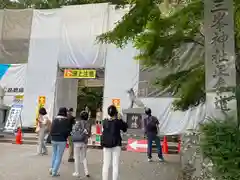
{"x":133,"y":111}
{"x":134,"y":118}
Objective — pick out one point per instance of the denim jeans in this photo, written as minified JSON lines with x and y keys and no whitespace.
{"x":150,"y":140}
{"x":57,"y":154}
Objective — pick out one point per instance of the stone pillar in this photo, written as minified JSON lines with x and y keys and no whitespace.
{"x":220,"y":83}
{"x":219,"y":58}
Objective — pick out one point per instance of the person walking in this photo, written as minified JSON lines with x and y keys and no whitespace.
{"x":71,"y":120}
{"x":42,"y":130}
{"x":80,"y":134}
{"x":151,"y":130}
{"x":111,"y":141}
{"x":86,"y":108}
{"x":59,"y":133}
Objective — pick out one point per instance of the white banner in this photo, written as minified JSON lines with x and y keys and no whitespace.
{"x":14,"y":117}
{"x":219,"y":56}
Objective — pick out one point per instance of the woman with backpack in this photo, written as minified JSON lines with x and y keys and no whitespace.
{"x":111,"y":141}
{"x":80,"y":134}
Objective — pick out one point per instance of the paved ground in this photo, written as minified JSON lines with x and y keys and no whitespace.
{"x":19,"y":162}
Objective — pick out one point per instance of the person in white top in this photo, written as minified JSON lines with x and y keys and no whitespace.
{"x":42,"y":130}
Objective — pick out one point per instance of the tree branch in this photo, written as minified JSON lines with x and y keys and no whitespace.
{"x":193,"y":41}
{"x":202,"y":34}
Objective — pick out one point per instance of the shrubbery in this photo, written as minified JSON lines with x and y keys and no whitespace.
{"x":221,"y":144}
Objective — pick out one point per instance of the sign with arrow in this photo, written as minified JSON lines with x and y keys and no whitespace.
{"x":135,"y":145}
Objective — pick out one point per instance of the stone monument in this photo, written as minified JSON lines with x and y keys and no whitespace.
{"x":220,"y":79}
{"x":134,"y":115}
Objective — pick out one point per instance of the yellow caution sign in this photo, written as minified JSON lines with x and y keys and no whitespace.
{"x":80,"y":73}
{"x":41,"y":103}
{"x":117,"y":104}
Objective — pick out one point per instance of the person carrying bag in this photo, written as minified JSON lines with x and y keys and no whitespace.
{"x":80,"y":134}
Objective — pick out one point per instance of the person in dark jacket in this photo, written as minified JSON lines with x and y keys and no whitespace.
{"x":71,"y":120}
{"x":111,"y":141}
{"x":80,"y":134}
{"x":59,"y":133}
{"x":151,"y":131}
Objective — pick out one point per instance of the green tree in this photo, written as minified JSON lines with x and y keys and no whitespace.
{"x":90,"y":96}
{"x":160,"y":33}
{"x":49,"y":4}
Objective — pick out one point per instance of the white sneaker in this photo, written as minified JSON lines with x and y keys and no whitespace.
{"x":149,"y":160}
{"x":161,"y":159}
{"x":50,"y":171}
{"x":55,"y":174}
{"x":76,"y":174}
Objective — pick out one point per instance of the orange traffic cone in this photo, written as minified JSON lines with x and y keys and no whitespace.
{"x":179,"y":144}
{"x":19,"y":136}
{"x":165,"y":145}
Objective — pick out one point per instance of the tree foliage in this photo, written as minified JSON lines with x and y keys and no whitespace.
{"x":49,"y":4}
{"x":158,"y":34}
{"x":220,"y":144}
{"x":90,"y":96}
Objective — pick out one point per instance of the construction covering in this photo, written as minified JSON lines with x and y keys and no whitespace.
{"x":12,"y":80}
{"x":15,"y":29}
{"x":65,"y":38}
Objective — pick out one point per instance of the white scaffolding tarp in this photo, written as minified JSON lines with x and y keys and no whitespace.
{"x":42,"y":64}
{"x":80,"y":25}
{"x":15,"y":30}
{"x":174,"y":122}
{"x":13,"y":77}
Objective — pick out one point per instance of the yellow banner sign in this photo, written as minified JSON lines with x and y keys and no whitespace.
{"x":116,"y":102}
{"x":19,"y":97}
{"x":41,"y":100}
{"x":41,"y":103}
{"x":80,"y":73}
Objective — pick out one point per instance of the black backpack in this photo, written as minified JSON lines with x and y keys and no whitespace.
{"x":109,"y":138}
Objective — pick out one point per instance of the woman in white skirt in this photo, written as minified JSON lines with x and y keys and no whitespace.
{"x":111,"y":142}
{"x":80,"y":134}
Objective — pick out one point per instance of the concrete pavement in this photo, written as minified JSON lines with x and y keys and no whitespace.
{"x":20,"y":162}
